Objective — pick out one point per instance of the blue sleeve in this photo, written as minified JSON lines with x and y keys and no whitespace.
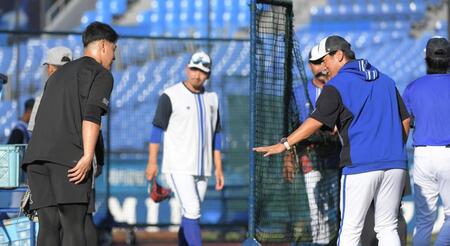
{"x":301,"y":102}
{"x":156,"y":135}
{"x":217,"y":141}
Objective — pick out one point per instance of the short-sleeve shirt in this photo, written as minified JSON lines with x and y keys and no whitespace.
{"x":57,"y":135}
{"x":189,"y":121}
{"x":428,"y":101}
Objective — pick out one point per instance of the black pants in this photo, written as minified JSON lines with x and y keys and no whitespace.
{"x":62,"y":205}
{"x":69,"y":218}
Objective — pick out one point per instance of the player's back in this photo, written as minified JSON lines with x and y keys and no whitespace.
{"x":428,"y":99}
{"x":57,"y":135}
{"x":375,"y":131}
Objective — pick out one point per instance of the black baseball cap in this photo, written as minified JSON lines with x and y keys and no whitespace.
{"x":331,"y":44}
{"x":3,"y":79}
{"x":437,"y":47}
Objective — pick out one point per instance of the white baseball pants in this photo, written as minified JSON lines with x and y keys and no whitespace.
{"x":189,"y":191}
{"x":431,"y":181}
{"x":319,"y":221}
{"x":357,"y":192}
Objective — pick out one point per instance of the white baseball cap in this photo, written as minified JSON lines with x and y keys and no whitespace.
{"x":314,"y":54}
{"x":200,"y":60}
{"x":59,"y":56}
{"x":327,"y":45}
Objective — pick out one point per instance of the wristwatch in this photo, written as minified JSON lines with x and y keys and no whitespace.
{"x":284,"y":141}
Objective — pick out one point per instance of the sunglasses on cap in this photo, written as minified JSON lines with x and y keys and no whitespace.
{"x":200,"y":60}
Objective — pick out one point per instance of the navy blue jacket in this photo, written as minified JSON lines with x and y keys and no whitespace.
{"x":367,"y":109}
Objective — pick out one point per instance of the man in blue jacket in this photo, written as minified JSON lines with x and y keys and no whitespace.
{"x":373,"y":124}
{"x":428,"y":101}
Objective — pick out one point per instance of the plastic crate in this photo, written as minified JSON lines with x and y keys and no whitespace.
{"x":10,"y":159}
{"x":16,"y":232}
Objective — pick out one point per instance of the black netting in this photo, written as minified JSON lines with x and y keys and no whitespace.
{"x":303,"y":209}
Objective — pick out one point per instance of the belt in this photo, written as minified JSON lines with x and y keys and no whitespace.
{"x":446,"y":146}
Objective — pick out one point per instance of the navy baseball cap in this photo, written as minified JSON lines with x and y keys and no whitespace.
{"x":331,"y":44}
{"x":437,"y":47}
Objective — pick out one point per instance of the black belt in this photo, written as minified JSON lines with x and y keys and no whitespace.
{"x":446,"y":146}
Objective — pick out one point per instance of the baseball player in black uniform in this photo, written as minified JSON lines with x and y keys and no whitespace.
{"x":59,"y":156}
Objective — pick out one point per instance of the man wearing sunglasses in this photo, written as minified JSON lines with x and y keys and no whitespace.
{"x":188,"y":115}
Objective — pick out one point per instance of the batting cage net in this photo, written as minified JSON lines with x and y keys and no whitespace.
{"x":295,"y":195}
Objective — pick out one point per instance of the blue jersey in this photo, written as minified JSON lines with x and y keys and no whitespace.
{"x":303,"y":104}
{"x":367,"y":109}
{"x":428,"y":101}
{"x":313,"y":92}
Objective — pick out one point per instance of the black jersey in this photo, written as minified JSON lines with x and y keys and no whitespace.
{"x":74,"y":90}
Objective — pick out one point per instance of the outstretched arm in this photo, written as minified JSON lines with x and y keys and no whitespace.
{"x":305,"y":130}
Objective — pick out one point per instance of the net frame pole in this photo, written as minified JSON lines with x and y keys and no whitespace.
{"x":288,"y":65}
{"x":251,"y":198}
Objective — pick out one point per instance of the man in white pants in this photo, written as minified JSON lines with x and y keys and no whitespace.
{"x":428,"y":101}
{"x":373,"y":124}
{"x":188,"y":116}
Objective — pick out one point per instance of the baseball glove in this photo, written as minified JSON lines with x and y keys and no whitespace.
{"x":159,"y":193}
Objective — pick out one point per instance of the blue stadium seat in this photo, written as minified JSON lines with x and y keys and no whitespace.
{"x":118,"y":7}
{"x":88,"y":17}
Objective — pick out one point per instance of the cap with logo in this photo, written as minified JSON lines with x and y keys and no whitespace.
{"x":328,"y":45}
{"x":58,"y":56}
{"x":200,"y":60}
{"x":437,"y":47}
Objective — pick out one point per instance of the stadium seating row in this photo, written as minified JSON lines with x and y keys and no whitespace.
{"x":173,"y":18}
{"x":144,"y":68}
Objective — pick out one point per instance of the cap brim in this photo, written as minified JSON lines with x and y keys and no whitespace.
{"x":318,"y":57}
{"x":199,"y":66}
{"x":318,"y":54}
